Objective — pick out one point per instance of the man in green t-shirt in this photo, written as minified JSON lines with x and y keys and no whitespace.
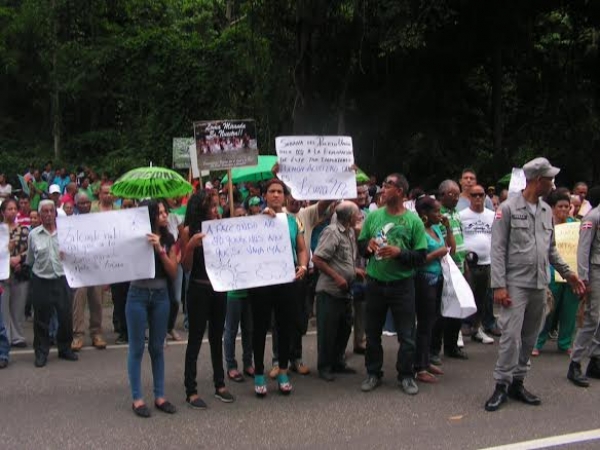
{"x":447,"y":328}
{"x":37,"y":188}
{"x":394,"y":240}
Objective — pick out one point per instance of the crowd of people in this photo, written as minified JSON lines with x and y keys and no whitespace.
{"x":364,"y":267}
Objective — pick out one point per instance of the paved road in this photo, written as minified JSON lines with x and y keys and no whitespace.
{"x":86,"y":405}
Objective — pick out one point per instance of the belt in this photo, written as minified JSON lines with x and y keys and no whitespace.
{"x":386,"y":283}
{"x":480,"y":266}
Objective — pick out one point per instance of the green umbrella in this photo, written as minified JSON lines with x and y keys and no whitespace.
{"x":361,"y":177}
{"x":262,"y":171}
{"x":151,"y":182}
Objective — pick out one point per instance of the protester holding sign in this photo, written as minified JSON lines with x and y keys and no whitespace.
{"x":49,"y":289}
{"x":148,"y":306}
{"x":204,"y":305}
{"x":275,"y":299}
{"x":566,"y":302}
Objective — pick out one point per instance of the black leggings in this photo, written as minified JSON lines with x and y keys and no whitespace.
{"x":266,"y":300}
{"x":204,"y":305}
{"x":428,"y":297}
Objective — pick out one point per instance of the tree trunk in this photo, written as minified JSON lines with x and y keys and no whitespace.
{"x":56,"y":122}
{"x":497,"y":119}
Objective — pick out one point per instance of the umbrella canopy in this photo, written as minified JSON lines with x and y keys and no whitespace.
{"x":361,"y":176}
{"x":505,"y":180}
{"x":151,"y":182}
{"x":260,"y":172}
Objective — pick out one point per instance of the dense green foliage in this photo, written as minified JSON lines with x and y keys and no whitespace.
{"x":423,"y":86}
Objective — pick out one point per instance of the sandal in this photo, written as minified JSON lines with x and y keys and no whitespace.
{"x":235,"y":375}
{"x":283,"y":384}
{"x":535,"y":352}
{"x":249,"y":371}
{"x":260,"y":386}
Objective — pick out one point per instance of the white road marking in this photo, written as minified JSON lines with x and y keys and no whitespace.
{"x":124,"y":346}
{"x":553,"y":441}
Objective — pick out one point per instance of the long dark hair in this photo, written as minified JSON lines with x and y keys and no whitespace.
{"x":166,"y":238}
{"x":198,"y":208}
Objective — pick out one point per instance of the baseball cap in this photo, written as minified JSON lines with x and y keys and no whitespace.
{"x":54,"y":189}
{"x":539,"y":167}
{"x":254,"y":201}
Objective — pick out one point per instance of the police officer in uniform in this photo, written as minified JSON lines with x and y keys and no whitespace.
{"x":522,"y":246}
{"x":588,"y":267}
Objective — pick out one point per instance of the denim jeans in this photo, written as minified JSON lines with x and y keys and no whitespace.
{"x":238,"y":310}
{"x":398,"y":297}
{"x":151,"y":307}
{"x":4,"y":344}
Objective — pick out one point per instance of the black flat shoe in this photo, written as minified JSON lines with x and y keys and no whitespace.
{"x":40,"y":360}
{"x":197,"y":403}
{"x":326,"y":375}
{"x":344,"y":369}
{"x":68,"y":355}
{"x":456,"y":353}
{"x":166,"y":407}
{"x":141,"y":411}
{"x":3,"y":363}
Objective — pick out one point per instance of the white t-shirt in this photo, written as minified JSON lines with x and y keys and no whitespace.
{"x":5,"y":190}
{"x":477,"y":232}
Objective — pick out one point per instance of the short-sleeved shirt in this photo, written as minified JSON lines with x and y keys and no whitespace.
{"x":434,"y":266}
{"x":41,"y":186}
{"x":43,"y":255}
{"x":337,"y":247}
{"x":460,"y":254}
{"x":296,"y":228}
{"x":405,"y":231}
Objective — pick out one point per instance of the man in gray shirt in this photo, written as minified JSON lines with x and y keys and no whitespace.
{"x":522,"y":247}
{"x":49,"y":288}
{"x":334,"y":257}
{"x":587,"y":341}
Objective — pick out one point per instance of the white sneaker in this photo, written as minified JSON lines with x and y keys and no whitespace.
{"x":480,"y":336}
{"x":389,"y":333}
{"x":460,"y":343}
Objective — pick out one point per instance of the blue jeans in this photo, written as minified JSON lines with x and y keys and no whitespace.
{"x":4,"y":345}
{"x":151,"y":307}
{"x":238,"y":309}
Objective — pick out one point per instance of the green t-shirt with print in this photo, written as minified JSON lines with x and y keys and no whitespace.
{"x":405,"y":231}
{"x":461,"y":253}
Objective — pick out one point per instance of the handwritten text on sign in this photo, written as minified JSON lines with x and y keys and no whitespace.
{"x":4,"y":253}
{"x":247,"y":252}
{"x":317,"y":167}
{"x":567,"y":237}
{"x":107,"y":247}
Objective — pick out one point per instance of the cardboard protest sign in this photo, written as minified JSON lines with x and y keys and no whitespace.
{"x":224,"y":144}
{"x":317,"y":167}
{"x":181,"y":154}
{"x":107,"y":247}
{"x":247,"y":252}
{"x":567,"y":239}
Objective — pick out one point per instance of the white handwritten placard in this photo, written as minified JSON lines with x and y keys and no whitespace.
{"x":106,"y":247}
{"x":4,"y":253}
{"x":247,"y":252}
{"x":317,"y":167}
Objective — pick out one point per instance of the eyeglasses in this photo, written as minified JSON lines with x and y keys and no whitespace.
{"x":478,"y":194}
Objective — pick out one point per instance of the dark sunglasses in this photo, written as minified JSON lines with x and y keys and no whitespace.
{"x":480,"y":195}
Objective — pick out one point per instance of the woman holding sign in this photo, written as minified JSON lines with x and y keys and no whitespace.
{"x":148,"y":305}
{"x":276,"y":299}
{"x":204,"y":305}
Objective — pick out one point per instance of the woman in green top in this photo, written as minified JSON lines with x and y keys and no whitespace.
{"x":566,"y":302}
{"x":429,"y":282}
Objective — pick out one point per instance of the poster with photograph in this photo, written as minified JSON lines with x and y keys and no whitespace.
{"x":181,"y":154}
{"x":224,"y":144}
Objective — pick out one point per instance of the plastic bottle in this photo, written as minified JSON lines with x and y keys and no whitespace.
{"x":381,"y":242}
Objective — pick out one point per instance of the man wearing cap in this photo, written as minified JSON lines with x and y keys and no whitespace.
{"x":522,"y":247}
{"x":54,"y":193}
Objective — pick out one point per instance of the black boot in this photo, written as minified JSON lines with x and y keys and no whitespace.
{"x":517,"y":391}
{"x":593,"y":368}
{"x":575,"y":375}
{"x":498,"y":397}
